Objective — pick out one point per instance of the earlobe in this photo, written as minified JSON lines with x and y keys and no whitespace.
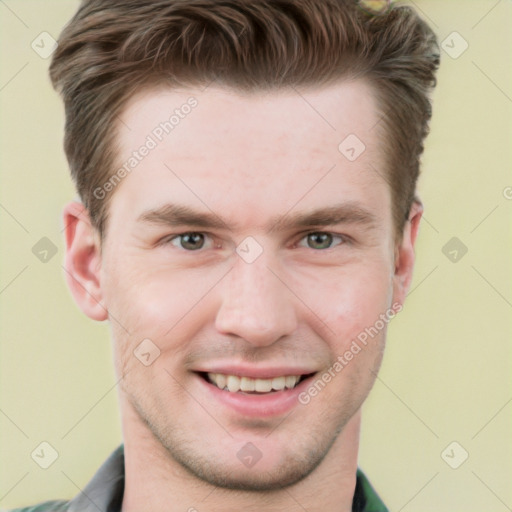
{"x":404,"y":257}
{"x":83,"y":261}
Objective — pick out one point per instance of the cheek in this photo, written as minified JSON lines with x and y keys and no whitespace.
{"x":146,"y":294}
{"x":152,"y":301}
{"x":353,"y":301}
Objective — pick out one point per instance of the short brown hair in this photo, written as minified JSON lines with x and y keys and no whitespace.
{"x":111,"y":49}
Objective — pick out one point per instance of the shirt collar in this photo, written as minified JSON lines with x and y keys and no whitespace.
{"x":105,"y":491}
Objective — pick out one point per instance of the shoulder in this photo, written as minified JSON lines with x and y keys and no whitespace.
{"x":47,"y":506}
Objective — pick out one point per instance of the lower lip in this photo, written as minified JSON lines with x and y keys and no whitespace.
{"x":258,"y":405}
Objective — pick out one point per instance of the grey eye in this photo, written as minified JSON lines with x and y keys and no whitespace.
{"x":321,"y":240}
{"x":189,"y":241}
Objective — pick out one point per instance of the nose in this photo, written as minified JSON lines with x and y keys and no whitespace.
{"x":256,"y":305}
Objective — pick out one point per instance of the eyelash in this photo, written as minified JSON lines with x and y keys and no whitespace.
{"x":343,"y":239}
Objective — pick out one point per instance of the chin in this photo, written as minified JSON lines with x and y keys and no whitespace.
{"x":260,"y":477}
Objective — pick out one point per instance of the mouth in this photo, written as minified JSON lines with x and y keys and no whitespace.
{"x":253,"y":386}
{"x":257,"y":393}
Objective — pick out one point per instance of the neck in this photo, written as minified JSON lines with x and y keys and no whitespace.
{"x":155,"y":481}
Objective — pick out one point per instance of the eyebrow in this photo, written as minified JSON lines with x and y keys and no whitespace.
{"x":176,"y":215}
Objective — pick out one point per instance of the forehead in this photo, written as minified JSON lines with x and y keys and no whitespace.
{"x":259,"y":152}
{"x":217,"y":114}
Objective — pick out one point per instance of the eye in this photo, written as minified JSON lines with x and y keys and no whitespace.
{"x":320,"y":240}
{"x":191,"y":241}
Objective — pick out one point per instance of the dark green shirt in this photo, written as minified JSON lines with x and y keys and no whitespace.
{"x":105,"y":492}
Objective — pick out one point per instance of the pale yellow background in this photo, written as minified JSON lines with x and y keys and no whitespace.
{"x":447,"y":372}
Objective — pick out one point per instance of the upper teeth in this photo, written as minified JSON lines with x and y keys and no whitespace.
{"x":234,"y":383}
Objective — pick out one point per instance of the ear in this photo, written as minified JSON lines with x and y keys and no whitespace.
{"x":404,"y":254}
{"x":83,"y":261}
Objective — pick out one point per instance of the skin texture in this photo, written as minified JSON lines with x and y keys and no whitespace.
{"x":248,"y":160}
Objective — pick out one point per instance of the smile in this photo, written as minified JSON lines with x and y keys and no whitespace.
{"x":235,"y":384}
{"x":254,"y":392}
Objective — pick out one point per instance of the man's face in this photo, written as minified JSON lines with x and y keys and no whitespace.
{"x":247,"y":245}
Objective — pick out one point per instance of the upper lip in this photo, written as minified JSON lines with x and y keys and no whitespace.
{"x":255,"y":372}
